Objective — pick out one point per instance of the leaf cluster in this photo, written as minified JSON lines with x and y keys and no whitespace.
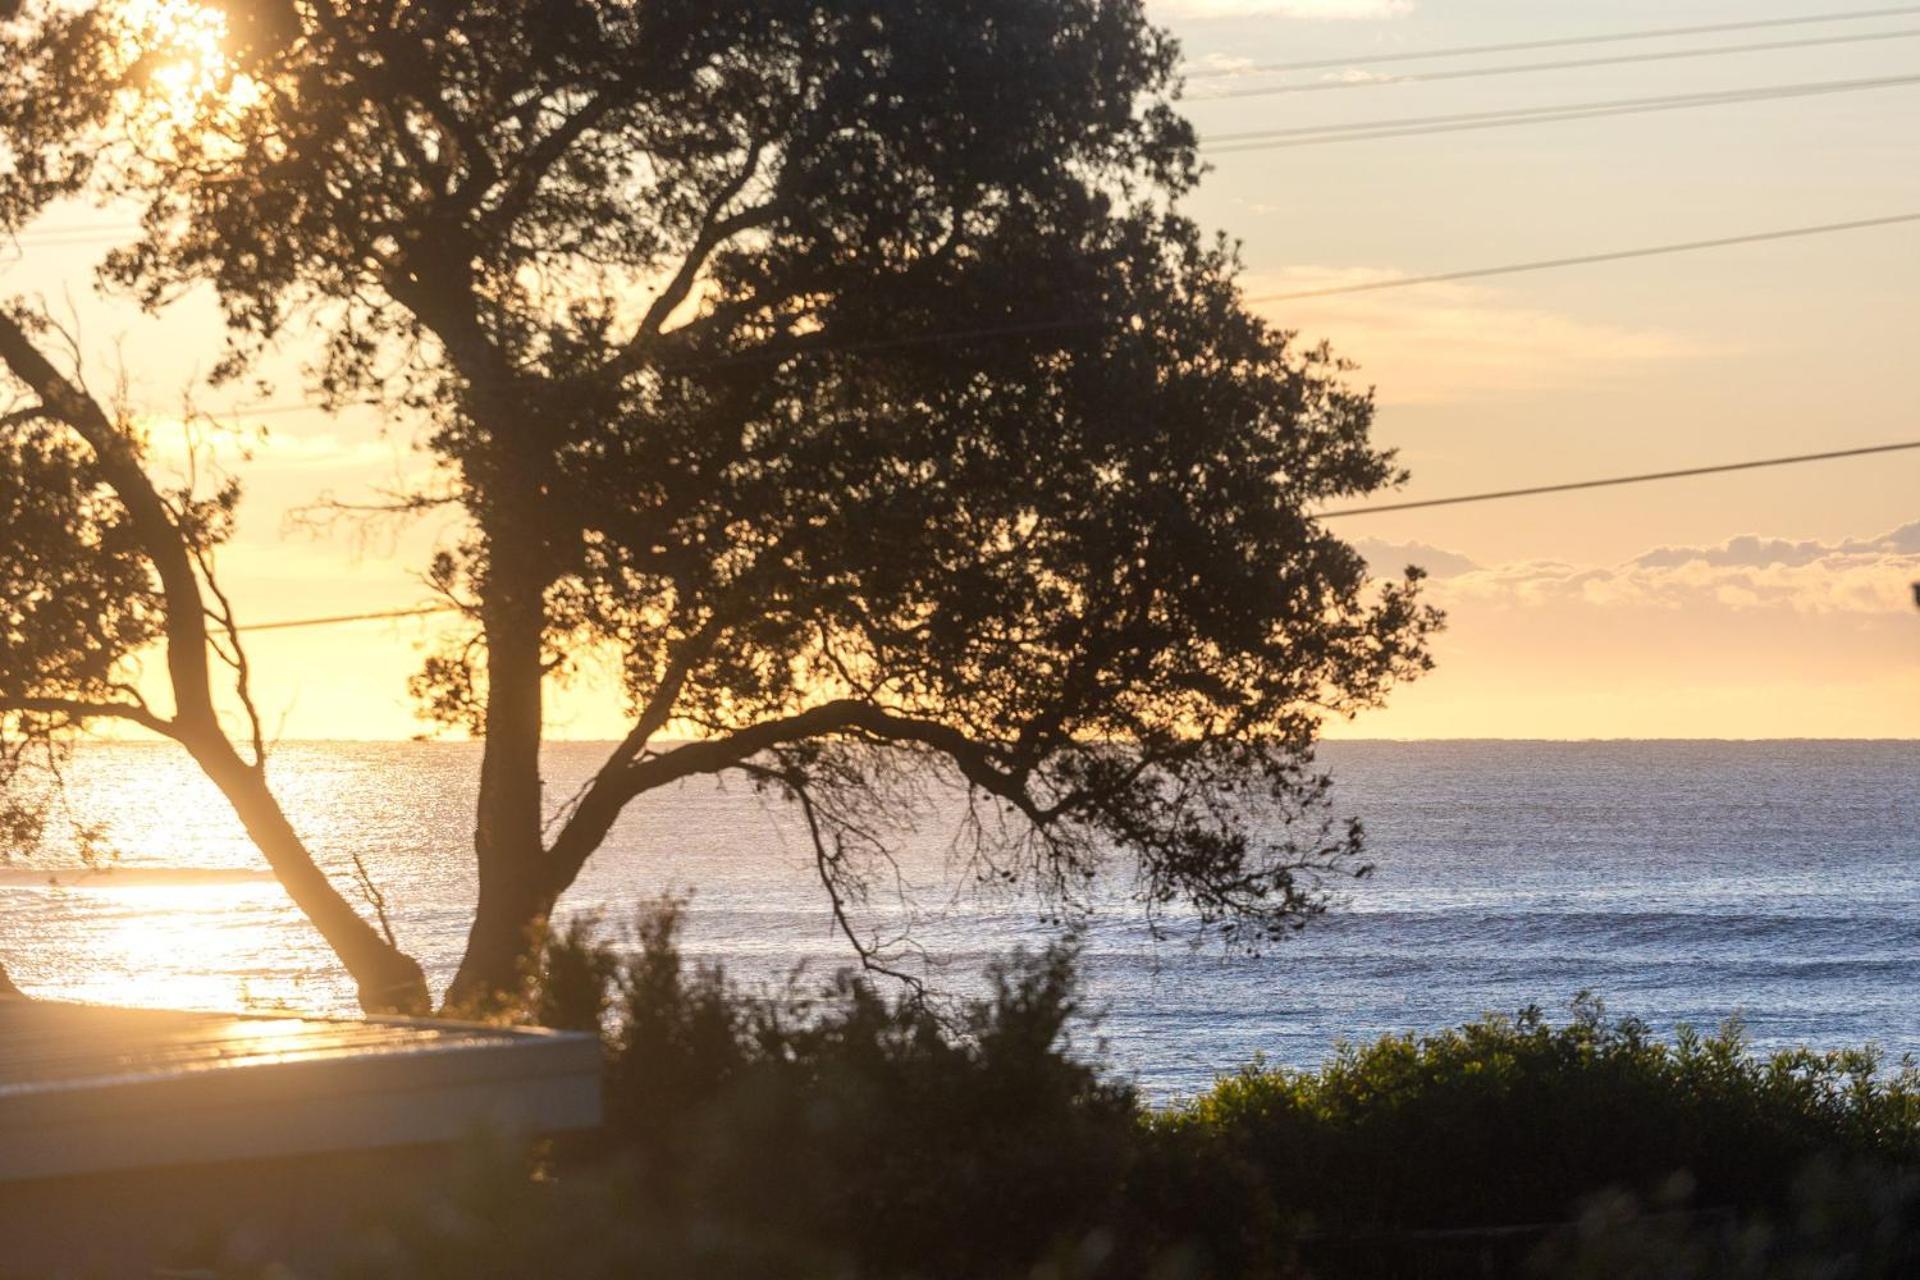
{"x":850,"y":371}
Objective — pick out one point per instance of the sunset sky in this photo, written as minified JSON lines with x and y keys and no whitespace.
{"x":1757,"y":605}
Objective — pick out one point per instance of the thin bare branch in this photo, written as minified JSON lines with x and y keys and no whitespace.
{"x":829,"y":860}
{"x":77,"y":711}
{"x":233,"y":652}
{"x":372,"y":895}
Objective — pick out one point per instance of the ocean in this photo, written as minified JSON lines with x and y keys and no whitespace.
{"x":1679,"y":882}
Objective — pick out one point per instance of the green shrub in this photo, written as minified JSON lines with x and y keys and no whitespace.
{"x":898,"y":1142}
{"x":842,"y":1133}
{"x":1514,"y":1121}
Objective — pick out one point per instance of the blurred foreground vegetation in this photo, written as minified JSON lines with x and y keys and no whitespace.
{"x":845,"y":1133}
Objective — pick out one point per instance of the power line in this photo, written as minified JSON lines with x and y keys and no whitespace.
{"x":1055,"y":325}
{"x":1618,"y":255}
{"x":1644,"y":478}
{"x":288,"y":624}
{"x":1564,"y":42}
{"x":1408,"y":126}
{"x":1556,"y":108}
{"x":1564,"y":64}
{"x":1568,"y":487}
{"x":300,"y":406}
{"x":774,"y":355}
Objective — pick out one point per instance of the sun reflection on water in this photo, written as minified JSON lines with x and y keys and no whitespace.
{"x":220,"y":944}
{"x":188,"y":916}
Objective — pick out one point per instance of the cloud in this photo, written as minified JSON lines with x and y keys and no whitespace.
{"x":1312,"y":10}
{"x":1744,"y":575}
{"x":1392,"y":557}
{"x":246,"y":453}
{"x":1358,"y":75}
{"x":1222,"y":64}
{"x":1752,"y":551}
{"x":1441,"y":343}
{"x":1752,"y":637}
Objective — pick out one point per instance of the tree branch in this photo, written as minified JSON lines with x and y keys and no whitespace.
{"x":541,"y":158}
{"x":827,"y":862}
{"x":388,"y":980}
{"x":78,"y":709}
{"x":234,"y":654}
{"x":613,"y":789}
{"x":159,"y":535}
{"x":20,"y":417}
{"x":714,"y":231}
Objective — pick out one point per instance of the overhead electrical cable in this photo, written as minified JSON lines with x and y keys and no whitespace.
{"x":1041,"y":326}
{"x":1618,"y":255}
{"x":1498,"y":495}
{"x":1563,"y":42}
{"x":66,"y":242}
{"x":1564,"y":64}
{"x":288,"y":624}
{"x":1409,"y":126}
{"x":1648,"y":477}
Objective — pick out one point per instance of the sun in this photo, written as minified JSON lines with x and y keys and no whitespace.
{"x":177,"y":50}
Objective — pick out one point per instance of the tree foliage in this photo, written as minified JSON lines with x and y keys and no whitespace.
{"x":102,"y":566}
{"x":77,"y":593}
{"x":849,"y":370}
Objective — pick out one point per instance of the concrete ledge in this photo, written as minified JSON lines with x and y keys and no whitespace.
{"x":90,"y":1090}
{"x":136,"y":1140}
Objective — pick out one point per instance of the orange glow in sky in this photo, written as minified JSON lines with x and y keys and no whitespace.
{"x":1758,"y":605}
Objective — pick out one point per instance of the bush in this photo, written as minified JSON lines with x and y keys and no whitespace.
{"x":1843,"y":1223}
{"x":898,"y":1142}
{"x":843,"y":1133}
{"x":1409,"y":1142}
{"x":836,"y":1132}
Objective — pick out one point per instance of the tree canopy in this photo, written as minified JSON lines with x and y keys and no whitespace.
{"x":848,"y":368}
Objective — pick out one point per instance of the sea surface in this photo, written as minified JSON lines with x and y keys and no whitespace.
{"x":1778,"y":882}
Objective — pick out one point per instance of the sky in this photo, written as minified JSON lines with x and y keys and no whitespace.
{"x":1764,"y":604}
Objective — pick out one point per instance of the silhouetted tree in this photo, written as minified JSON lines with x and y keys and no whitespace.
{"x":98,"y":562}
{"x":849,"y":369}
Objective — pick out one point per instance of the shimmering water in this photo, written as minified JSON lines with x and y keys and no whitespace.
{"x":1679,"y":881}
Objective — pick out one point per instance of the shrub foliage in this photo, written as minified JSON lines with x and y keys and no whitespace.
{"x":841,"y":1132}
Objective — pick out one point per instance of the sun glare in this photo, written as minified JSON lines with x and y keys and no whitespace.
{"x":184,"y":47}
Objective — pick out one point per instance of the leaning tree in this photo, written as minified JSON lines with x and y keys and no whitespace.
{"x":845,"y":367}
{"x":99,"y":562}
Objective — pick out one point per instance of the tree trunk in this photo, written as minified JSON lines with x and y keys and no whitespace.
{"x":505,"y":474}
{"x":507,"y":923}
{"x":516,"y":891}
{"x":386,"y":979}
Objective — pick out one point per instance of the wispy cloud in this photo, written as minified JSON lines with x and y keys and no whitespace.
{"x":1223,"y":64}
{"x":1753,"y":551}
{"x":1751,"y":637}
{"x":250,"y":451}
{"x":1748,"y":574}
{"x":1439,"y":343}
{"x":1358,"y":75}
{"x":1392,"y":557}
